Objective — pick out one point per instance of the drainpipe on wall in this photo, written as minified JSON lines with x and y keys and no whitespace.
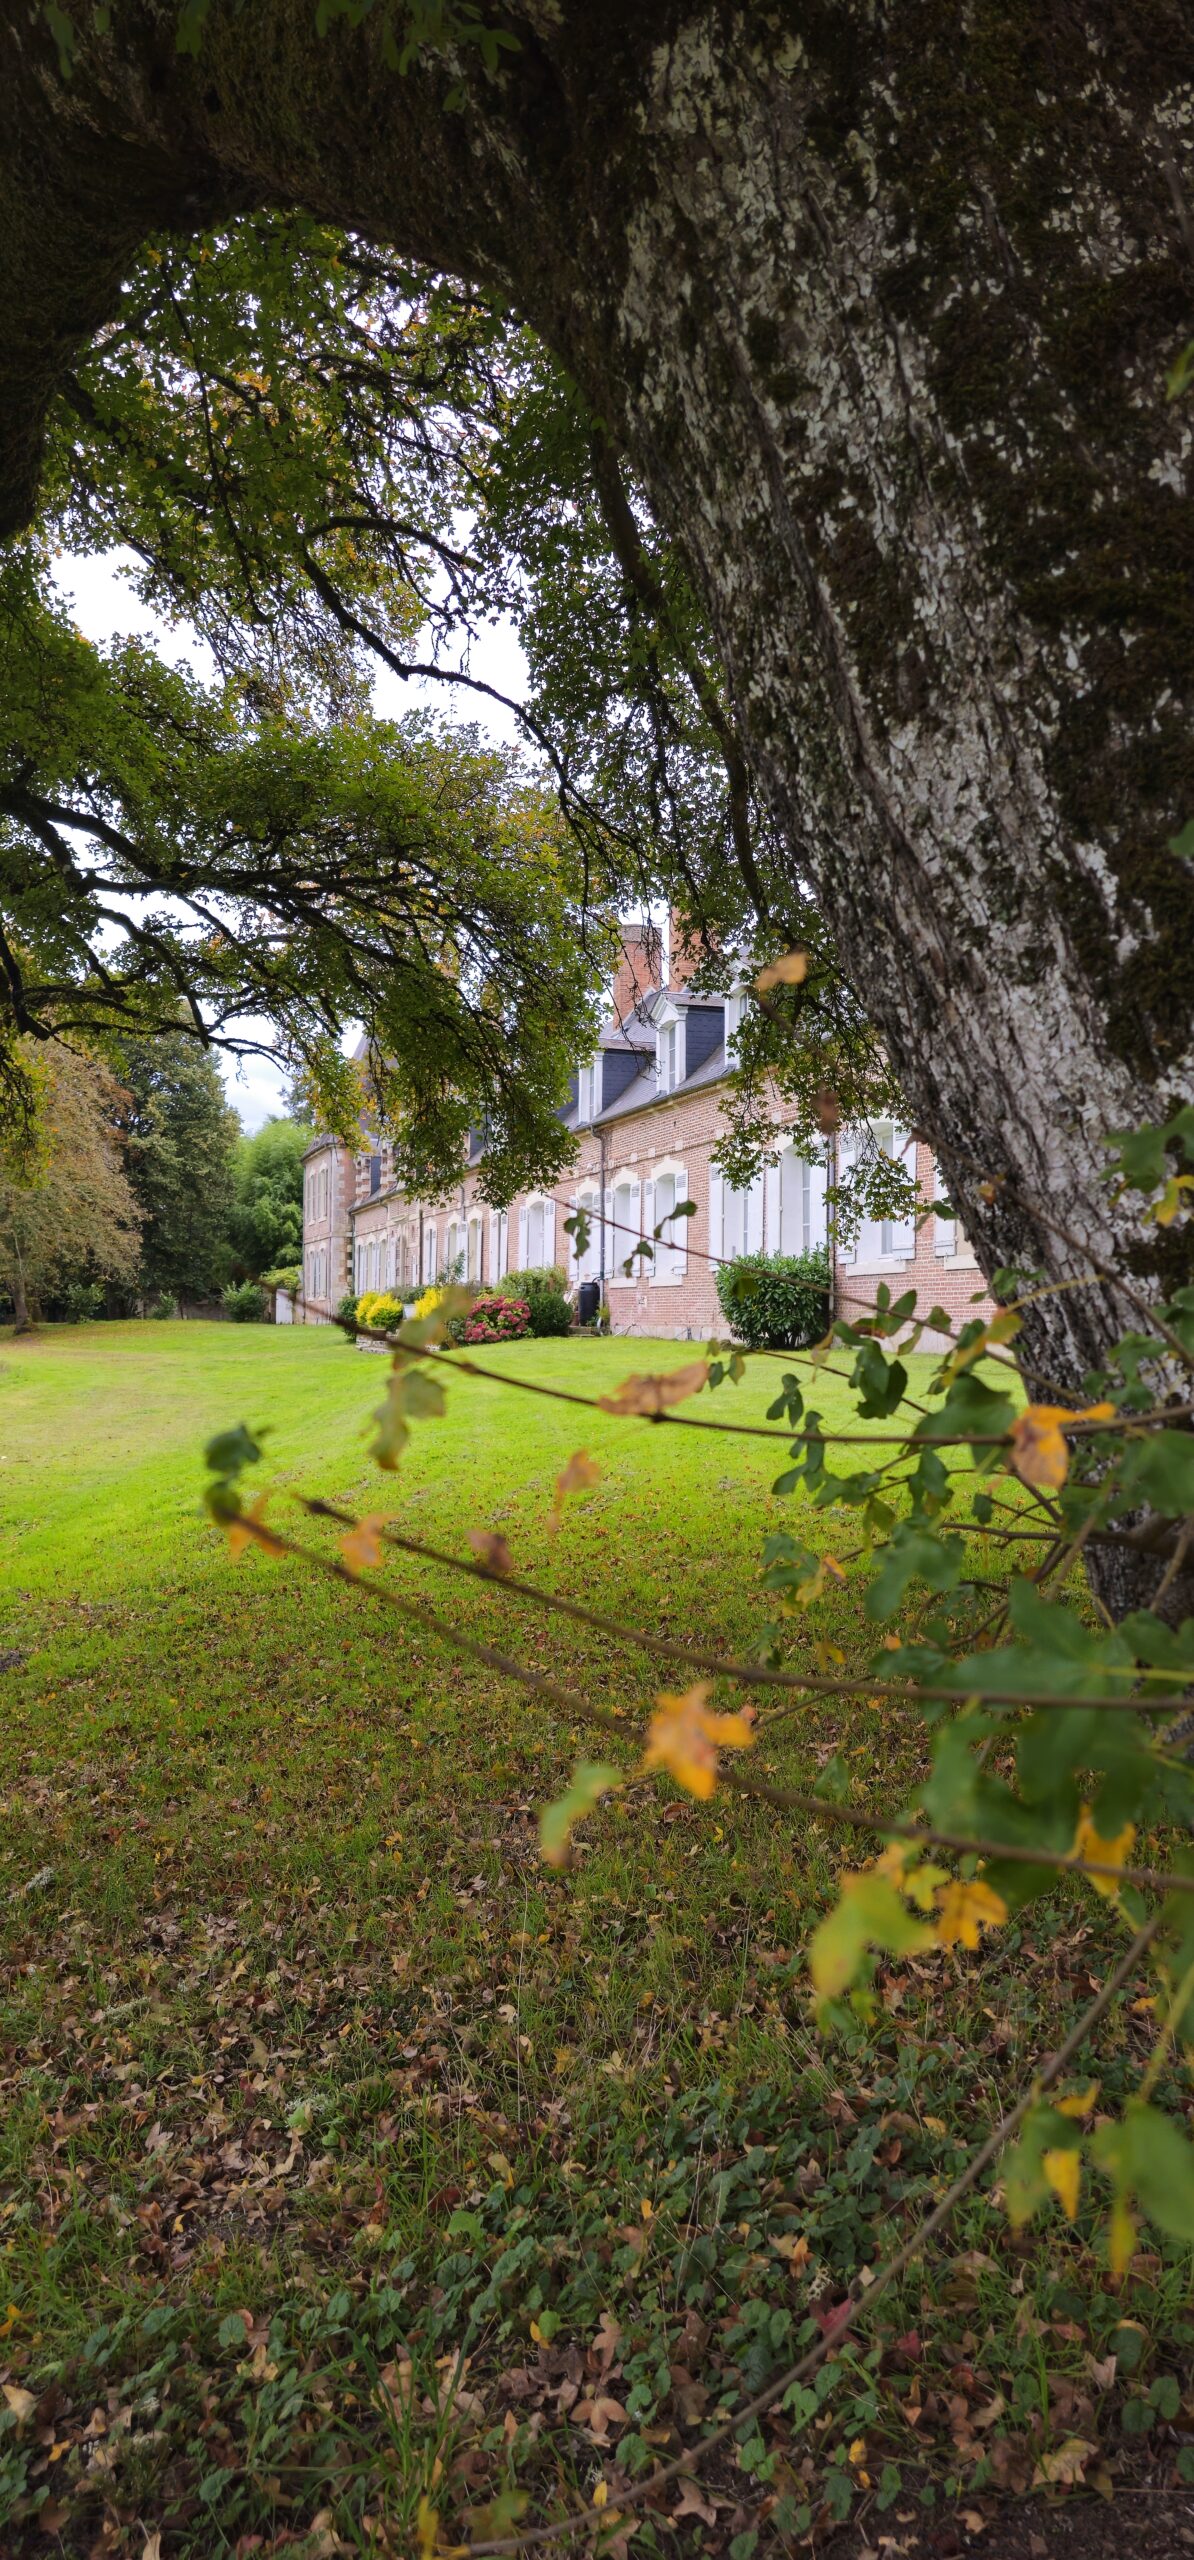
{"x":602,"y":1138}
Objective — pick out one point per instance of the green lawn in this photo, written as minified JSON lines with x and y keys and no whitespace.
{"x":314,"y":2079}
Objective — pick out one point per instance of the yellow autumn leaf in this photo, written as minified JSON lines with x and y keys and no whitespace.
{"x":1079,"y":2102}
{"x":248,"y":1530}
{"x":1121,"y":2239}
{"x":653,"y":1395}
{"x":1063,"y":2171}
{"x":1039,"y":1453}
{"x":1088,"y":1843}
{"x":791,"y":971}
{"x":580,"y":1472}
{"x":684,"y":1737}
{"x":360,"y":1546}
{"x":965,"y":1909}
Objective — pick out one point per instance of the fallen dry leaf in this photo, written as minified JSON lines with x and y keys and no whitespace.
{"x":653,"y":1395}
{"x":1065,"y":2467}
{"x":693,"y":2504}
{"x":491,"y":1550}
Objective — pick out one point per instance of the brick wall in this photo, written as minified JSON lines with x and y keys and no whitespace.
{"x":675,"y":1135}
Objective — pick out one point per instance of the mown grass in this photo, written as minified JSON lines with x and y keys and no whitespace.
{"x":316,"y":2082}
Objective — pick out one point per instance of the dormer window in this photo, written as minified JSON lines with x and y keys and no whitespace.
{"x":669,"y":1056}
{"x":588,"y":1091}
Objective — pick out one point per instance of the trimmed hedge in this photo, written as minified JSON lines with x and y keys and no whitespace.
{"x":776,"y":1301}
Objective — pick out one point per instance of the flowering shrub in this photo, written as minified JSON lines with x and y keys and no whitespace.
{"x":379,"y":1310}
{"x":497,"y":1319}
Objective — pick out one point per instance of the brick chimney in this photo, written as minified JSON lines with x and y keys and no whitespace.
{"x":640,"y":969}
{"x":684,"y":958}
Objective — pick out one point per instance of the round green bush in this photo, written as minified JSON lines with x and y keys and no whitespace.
{"x":243,"y":1302}
{"x":776,"y":1301}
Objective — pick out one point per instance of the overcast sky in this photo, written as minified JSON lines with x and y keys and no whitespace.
{"x":104,"y":604}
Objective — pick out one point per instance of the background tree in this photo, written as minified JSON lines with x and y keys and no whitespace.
{"x":265,"y":1227}
{"x":181,"y":1138}
{"x":67,"y":1208}
{"x":889,"y":361}
{"x":160,"y":840}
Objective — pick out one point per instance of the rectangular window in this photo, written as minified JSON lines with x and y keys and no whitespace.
{"x":671,"y":1240}
{"x":666,"y":1052}
{"x":625,"y":1215}
{"x":535,"y":1236}
{"x":587,"y":1092}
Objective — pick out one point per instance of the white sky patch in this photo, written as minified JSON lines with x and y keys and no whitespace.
{"x":104,"y":605}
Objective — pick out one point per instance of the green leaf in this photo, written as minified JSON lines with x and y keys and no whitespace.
{"x":229,"y":1451}
{"x":913,"y":1554}
{"x":883,"y":1383}
{"x":1160,"y":1471}
{"x":591,"y":1779}
{"x":870,"y":1913}
{"x":1147,"y":2157}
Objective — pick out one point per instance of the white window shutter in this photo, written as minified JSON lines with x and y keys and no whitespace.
{"x":944,"y":1230}
{"x":652,"y":1267}
{"x":522,"y":1236}
{"x":715,"y":1213}
{"x":494,"y":1232}
{"x":903,"y":1233}
{"x":846,"y":1153}
{"x":772,"y":1227}
{"x":680,"y":1230}
{"x":816,"y":1202}
{"x":754,"y":1216}
{"x":550,"y":1214}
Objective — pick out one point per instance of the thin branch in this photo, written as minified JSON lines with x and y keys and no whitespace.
{"x":724,"y":1666}
{"x":274,"y":1542}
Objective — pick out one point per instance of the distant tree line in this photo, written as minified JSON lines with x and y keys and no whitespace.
{"x":137,"y":1192}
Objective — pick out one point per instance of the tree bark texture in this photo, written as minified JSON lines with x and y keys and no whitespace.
{"x":878,"y":297}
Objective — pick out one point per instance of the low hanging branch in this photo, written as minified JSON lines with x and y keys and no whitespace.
{"x":1117,"y":1703}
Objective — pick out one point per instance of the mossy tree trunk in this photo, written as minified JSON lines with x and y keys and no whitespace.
{"x":879,"y":300}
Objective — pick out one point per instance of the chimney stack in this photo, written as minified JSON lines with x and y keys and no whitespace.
{"x":640,"y":970}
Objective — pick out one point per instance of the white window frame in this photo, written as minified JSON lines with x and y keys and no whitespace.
{"x":669,"y":1052}
{"x":540,"y":1206}
{"x":587,"y":1266}
{"x":876,"y":1250}
{"x":475,"y":1229}
{"x":588,"y":1089}
{"x":624,"y":1232}
{"x":669,"y":1263}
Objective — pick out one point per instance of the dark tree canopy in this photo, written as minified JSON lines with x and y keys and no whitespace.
{"x":879,"y":311}
{"x":180,"y":1147}
{"x":266,"y":1224}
